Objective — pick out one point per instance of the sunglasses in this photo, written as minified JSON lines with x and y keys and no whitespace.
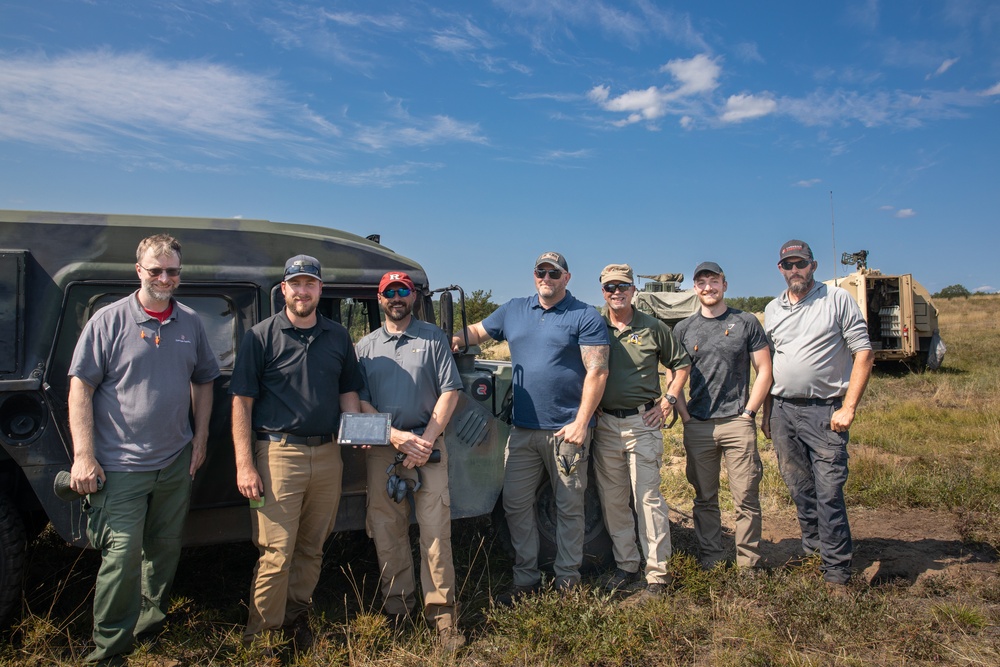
{"x":302,"y":267}
{"x":554,"y":274}
{"x":173,"y":272}
{"x":392,"y":292}
{"x":621,"y":287}
{"x":788,"y":266}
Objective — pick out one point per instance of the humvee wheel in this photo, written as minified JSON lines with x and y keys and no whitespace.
{"x":12,"y":549}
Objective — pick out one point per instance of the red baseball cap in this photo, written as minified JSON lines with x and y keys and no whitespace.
{"x":395,"y":277}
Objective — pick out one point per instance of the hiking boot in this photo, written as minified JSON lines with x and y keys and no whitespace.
{"x":652,"y":591}
{"x":450,"y":639}
{"x":516,"y":594}
{"x":620,"y":579}
{"x":301,"y":633}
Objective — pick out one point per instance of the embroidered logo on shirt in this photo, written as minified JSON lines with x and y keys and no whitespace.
{"x":633,"y":338}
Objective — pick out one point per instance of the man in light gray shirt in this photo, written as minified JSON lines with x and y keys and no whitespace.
{"x":822,"y":363}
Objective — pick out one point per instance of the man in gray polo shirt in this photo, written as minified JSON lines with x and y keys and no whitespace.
{"x":822,"y":363}
{"x":140,"y":366}
{"x":410,"y":373}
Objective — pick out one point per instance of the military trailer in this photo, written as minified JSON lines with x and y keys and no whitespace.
{"x":902,"y":320}
{"x":58,"y":269}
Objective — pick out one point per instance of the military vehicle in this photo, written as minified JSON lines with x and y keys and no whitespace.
{"x":902,"y":320}
{"x":58,"y":269}
{"x":662,"y":298}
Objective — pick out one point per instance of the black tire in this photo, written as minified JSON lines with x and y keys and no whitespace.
{"x":12,"y":549}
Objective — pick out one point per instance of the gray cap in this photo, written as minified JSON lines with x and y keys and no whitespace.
{"x":711,"y":267}
{"x":303,"y":264}
{"x":553,"y":258}
{"x":795,"y":248}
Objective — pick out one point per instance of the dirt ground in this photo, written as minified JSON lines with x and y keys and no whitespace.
{"x":889,"y":544}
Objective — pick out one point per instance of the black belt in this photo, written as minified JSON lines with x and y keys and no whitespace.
{"x":622,"y":414}
{"x":308,"y":440}
{"x":812,"y":401}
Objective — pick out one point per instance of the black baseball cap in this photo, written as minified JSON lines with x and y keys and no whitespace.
{"x":795,"y":248}
{"x":303,"y":264}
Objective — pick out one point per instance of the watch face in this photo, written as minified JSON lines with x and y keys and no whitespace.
{"x":671,"y":400}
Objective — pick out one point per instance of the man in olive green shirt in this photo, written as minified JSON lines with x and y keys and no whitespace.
{"x":628,"y":444}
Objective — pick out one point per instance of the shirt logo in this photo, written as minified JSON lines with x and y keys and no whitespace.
{"x":633,"y":339}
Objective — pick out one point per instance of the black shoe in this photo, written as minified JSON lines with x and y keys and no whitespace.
{"x":516,"y":593}
{"x":620,"y":579}
{"x":301,"y":634}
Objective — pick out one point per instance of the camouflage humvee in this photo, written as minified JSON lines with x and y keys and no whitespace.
{"x":58,"y":269}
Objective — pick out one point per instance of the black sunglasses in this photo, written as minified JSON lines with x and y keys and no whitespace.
{"x":173,"y":272}
{"x":302,"y":267}
{"x":788,"y":266}
{"x":621,"y":287}
{"x":392,"y":292}
{"x":554,"y":274}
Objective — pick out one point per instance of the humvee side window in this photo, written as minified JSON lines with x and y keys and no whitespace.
{"x":217,"y":313}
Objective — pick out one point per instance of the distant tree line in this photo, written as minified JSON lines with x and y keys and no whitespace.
{"x":952,"y":291}
{"x":749,"y":304}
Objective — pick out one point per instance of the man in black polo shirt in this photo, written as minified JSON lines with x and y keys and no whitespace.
{"x":289,"y":368}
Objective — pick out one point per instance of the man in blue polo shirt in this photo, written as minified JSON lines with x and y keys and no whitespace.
{"x":559,"y":351}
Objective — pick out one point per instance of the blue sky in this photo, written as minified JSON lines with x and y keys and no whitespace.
{"x":475,"y":135}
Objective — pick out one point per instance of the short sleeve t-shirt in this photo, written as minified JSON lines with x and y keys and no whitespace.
{"x":720,"y":349}
{"x":296,"y":376}
{"x":636,"y":352}
{"x":142,"y":371}
{"x":406,"y":373}
{"x":545,"y":356}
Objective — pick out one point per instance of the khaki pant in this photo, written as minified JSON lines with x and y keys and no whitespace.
{"x":707,"y":443}
{"x":531,"y":454}
{"x":388,"y":524}
{"x":301,"y":494}
{"x":627,"y":459}
{"x":136,"y":521}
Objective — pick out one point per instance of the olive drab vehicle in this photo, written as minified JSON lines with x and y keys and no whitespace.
{"x":902,"y":320}
{"x":58,"y":269}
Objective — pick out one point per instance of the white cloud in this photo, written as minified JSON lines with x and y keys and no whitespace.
{"x":887,"y":208}
{"x":746,"y":107}
{"x":995,"y":90}
{"x":807,"y":183}
{"x":986,"y":289}
{"x":92,"y":101}
{"x":419,"y":132}
{"x":384,"y":177}
{"x":905,"y":213}
{"x":945,"y":66}
{"x":696,"y":76}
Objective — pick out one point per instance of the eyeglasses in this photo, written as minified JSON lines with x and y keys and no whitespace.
{"x":393,"y":291}
{"x":621,"y":287}
{"x":554,"y":274}
{"x":302,"y":267}
{"x":173,"y":271}
{"x":788,"y":266}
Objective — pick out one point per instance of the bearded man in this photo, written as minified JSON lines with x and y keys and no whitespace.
{"x":289,"y":369}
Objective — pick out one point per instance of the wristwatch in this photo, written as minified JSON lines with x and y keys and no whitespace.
{"x":750,"y":413}
{"x":672,"y":400}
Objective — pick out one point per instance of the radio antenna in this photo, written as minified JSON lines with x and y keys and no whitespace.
{"x":833,"y":233}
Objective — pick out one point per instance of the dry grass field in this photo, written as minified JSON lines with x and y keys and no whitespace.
{"x":924,"y":502}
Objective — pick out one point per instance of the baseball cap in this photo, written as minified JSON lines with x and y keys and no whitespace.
{"x":552,"y":258}
{"x":795,"y":248}
{"x":303,"y":264}
{"x":392,"y":277}
{"x":711,"y":267}
{"x":620,"y":272}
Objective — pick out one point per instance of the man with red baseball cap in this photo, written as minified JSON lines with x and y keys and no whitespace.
{"x":409,"y":372}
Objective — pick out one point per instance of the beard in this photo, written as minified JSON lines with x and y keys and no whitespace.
{"x":800,"y":287}
{"x":301,"y":309}
{"x":157,"y":293}
{"x":397,"y":310}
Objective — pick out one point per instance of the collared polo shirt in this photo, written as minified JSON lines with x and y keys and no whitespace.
{"x":142,"y":373}
{"x":633,"y":367}
{"x":296,"y":376}
{"x":545,"y":355}
{"x":814,"y":342}
{"x":406,"y":373}
{"x":720,"y":349}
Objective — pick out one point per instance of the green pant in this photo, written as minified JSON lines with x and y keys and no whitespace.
{"x":136,"y":521}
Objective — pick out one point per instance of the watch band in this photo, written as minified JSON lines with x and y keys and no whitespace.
{"x":750,"y":413}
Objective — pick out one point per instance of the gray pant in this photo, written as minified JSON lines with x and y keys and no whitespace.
{"x":530,"y":454}
{"x":813,"y":462}
{"x":707,"y":443}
